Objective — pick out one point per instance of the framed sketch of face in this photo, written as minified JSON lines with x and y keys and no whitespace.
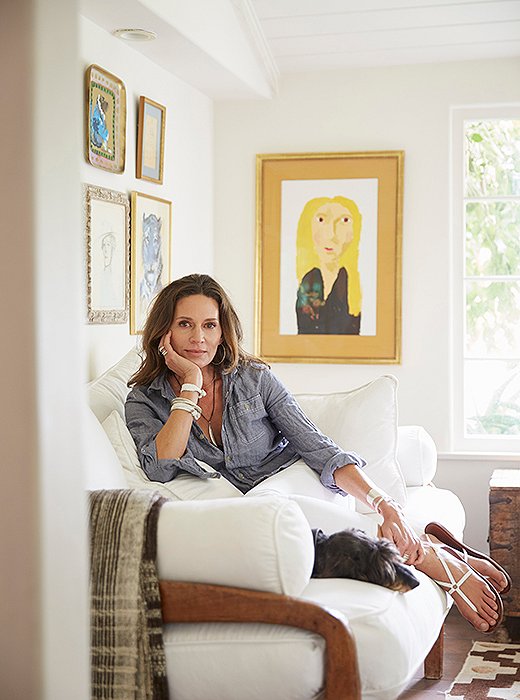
{"x":107,"y":226}
{"x":150,"y":254}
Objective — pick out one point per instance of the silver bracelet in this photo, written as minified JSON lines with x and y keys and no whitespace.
{"x":193,"y":387}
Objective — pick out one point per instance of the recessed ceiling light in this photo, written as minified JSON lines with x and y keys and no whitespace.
{"x":135,"y":34}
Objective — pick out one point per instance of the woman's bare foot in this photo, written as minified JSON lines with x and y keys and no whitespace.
{"x":486,"y":566}
{"x":488,"y":571}
{"x":473,"y":592}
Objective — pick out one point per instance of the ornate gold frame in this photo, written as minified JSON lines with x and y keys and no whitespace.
{"x":110,"y":153}
{"x":113,"y":200}
{"x":383,"y":345}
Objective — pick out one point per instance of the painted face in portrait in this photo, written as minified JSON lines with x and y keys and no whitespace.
{"x":195,"y":331}
{"x":332,"y":230}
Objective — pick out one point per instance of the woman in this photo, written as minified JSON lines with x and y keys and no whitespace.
{"x":198,"y":397}
{"x":327,"y":244}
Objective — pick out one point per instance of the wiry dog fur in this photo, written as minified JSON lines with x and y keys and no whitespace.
{"x":353,"y":554}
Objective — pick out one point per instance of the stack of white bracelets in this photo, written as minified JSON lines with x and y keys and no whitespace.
{"x":182,"y":404}
{"x":375,"y":498}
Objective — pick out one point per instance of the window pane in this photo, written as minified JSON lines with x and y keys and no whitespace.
{"x":491,"y":397}
{"x":492,"y":238}
{"x":493,"y":319}
{"x":492,"y":157}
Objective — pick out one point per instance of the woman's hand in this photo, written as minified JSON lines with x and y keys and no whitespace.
{"x":397,"y":530}
{"x":187,"y":372}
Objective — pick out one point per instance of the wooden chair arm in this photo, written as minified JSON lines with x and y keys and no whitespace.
{"x":197,"y":602}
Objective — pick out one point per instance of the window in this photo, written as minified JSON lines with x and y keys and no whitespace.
{"x":486,"y":215}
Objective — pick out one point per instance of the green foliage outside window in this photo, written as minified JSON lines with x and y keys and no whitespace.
{"x":492,"y":267}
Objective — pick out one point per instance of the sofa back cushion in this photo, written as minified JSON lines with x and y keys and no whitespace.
{"x":103,"y":469}
{"x":262,"y":543}
{"x":108,"y":392}
{"x":363,"y":420}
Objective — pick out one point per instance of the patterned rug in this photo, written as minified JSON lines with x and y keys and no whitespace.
{"x":490,"y":671}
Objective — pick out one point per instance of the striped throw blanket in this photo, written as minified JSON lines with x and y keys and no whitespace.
{"x":127,"y":651}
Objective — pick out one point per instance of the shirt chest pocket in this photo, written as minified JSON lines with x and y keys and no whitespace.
{"x":248,"y":418}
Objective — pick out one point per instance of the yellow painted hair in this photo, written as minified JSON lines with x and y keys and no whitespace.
{"x":307,"y":258}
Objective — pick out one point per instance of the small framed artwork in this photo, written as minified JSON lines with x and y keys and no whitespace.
{"x":149,"y":254}
{"x":107,"y":225}
{"x":329,"y":228}
{"x":106,"y":120}
{"x":150,"y":140}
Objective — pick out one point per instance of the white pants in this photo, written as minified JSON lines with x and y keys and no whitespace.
{"x":322,"y":507}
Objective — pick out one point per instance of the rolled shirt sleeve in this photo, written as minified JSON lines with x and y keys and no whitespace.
{"x":318,"y":451}
{"x":144,"y":423}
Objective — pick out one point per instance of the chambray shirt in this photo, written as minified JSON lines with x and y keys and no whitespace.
{"x":263,"y":431}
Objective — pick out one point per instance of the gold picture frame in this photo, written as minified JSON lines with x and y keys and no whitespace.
{"x":106,"y":120}
{"x":107,"y":230}
{"x":329,"y":233}
{"x":150,"y":140}
{"x":149,"y":254}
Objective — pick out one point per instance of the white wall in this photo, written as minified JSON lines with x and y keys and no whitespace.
{"x":188,"y":168}
{"x":398,"y":108}
{"x":43,"y":541}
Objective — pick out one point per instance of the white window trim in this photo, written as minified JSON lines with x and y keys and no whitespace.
{"x":458,"y":442}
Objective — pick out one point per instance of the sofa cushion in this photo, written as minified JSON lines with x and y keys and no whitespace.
{"x":103,"y":469}
{"x":417,"y":455}
{"x":262,"y":543}
{"x":109,"y":391}
{"x":363,"y":420}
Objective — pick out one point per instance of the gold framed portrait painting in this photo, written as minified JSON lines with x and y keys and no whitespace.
{"x":149,"y":254}
{"x":329,"y":231}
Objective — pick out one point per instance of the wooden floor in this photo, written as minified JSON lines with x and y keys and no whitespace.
{"x":458,"y":640}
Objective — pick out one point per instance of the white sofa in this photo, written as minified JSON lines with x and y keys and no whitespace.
{"x":211,"y":534}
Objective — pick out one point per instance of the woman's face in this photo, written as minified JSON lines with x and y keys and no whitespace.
{"x":195,"y":330}
{"x":332,"y":231}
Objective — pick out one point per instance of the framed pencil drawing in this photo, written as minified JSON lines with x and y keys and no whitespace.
{"x":106,"y":120}
{"x":149,"y":254}
{"x":107,"y":226}
{"x":150,"y":140}
{"x":329,"y":228}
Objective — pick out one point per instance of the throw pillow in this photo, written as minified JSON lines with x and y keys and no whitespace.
{"x":363,"y":420}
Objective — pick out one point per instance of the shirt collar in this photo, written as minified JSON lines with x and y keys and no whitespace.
{"x":162,"y":385}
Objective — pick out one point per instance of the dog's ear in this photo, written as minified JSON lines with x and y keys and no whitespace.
{"x":382,"y":564}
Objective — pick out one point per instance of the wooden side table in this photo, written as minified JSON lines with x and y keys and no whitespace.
{"x":504,"y":538}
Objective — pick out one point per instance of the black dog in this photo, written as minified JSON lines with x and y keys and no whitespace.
{"x":353,"y":554}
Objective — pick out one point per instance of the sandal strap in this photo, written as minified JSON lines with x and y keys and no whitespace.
{"x":453,"y":586}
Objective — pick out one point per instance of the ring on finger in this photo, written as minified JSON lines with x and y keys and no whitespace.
{"x":406,"y":557}
{"x":163,"y":351}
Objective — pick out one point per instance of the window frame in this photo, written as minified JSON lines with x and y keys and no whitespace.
{"x":459,"y":442}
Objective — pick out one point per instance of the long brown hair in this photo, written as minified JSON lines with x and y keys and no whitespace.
{"x":159,"y":320}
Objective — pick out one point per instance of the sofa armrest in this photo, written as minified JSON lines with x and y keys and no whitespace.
{"x":417,"y":455}
{"x":190,"y":602}
{"x":262,"y":543}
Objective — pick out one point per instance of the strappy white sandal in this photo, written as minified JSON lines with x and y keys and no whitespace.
{"x":454,"y":586}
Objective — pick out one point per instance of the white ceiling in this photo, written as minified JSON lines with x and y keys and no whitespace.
{"x":308,"y":35}
{"x":286,"y":36}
